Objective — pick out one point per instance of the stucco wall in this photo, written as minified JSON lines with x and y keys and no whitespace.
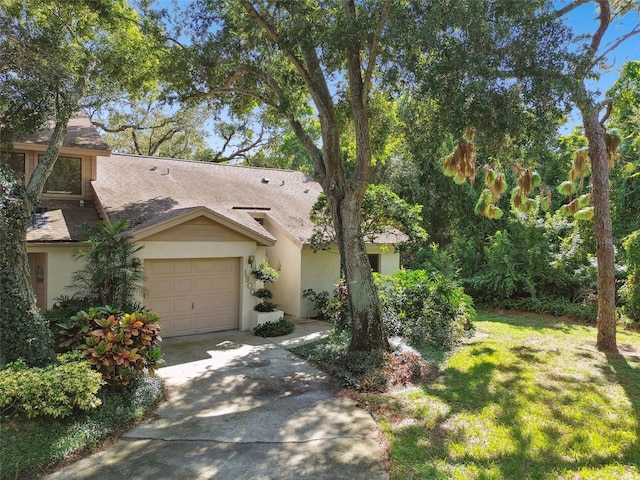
{"x":60,"y":267}
{"x":321,"y":271}
{"x":284,"y":256}
{"x":389,"y":259}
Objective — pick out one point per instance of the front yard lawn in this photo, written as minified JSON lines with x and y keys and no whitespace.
{"x":529,"y":397}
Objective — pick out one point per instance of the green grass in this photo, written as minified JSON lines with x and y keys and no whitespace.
{"x":528,"y":398}
{"x":30,"y":447}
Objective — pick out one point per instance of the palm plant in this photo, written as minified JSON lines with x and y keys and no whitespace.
{"x":111,"y":274}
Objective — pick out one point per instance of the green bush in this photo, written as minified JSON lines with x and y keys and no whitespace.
{"x":118,"y":345}
{"x":552,"y":306}
{"x":533,"y":258}
{"x":31,"y":447}
{"x":57,"y":390}
{"x":274,"y":329}
{"x":265,"y":272}
{"x":112,"y":272}
{"x":425,"y":309}
{"x":630,"y":291}
{"x":334,"y":308}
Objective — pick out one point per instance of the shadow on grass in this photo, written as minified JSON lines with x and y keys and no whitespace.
{"x":502,"y":412}
{"x":620,"y":370}
{"x":531,"y":320}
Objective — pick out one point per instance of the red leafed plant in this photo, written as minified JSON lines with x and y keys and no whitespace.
{"x":118,"y":345}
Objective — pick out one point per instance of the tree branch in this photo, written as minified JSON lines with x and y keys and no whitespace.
{"x":604,"y":20}
{"x":215,"y":92}
{"x":275,"y":38}
{"x":375,"y":47}
{"x":572,"y":6}
{"x":605,"y":103}
{"x":614,"y":44}
{"x":240,"y":151}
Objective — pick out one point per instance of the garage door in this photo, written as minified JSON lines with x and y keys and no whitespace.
{"x":193,"y":295}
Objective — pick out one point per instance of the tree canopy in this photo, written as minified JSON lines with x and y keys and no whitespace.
{"x":55,"y":57}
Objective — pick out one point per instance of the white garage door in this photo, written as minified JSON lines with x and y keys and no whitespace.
{"x":193,"y":295}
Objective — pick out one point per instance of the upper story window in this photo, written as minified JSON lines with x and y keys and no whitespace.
{"x":66,"y":177}
{"x":15,"y":161}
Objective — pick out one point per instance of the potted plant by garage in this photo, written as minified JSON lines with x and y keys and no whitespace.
{"x":266,"y":310}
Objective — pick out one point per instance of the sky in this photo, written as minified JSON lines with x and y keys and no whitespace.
{"x":582,"y":20}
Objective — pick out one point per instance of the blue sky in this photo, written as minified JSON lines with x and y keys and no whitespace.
{"x":583,"y":20}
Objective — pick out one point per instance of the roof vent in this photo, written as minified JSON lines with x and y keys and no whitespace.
{"x":265,"y":180}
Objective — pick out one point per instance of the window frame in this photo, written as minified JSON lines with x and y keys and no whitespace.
{"x":64,"y":193}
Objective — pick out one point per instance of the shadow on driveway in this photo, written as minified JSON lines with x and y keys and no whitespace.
{"x":239,"y":406}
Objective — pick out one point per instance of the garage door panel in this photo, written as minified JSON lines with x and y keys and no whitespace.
{"x":158,"y":268}
{"x":225,"y":266}
{"x":159,"y":288}
{"x":182,"y":286}
{"x":194,"y":295}
{"x":182,"y":267}
{"x":203,"y":284}
{"x":181,"y":306}
{"x":205,"y":266}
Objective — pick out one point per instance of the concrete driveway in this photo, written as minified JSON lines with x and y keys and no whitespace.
{"x":242,"y":407}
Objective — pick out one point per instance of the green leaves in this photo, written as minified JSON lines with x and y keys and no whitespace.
{"x":119,"y":346}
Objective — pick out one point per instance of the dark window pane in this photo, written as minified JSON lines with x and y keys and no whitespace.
{"x":374,"y":260}
{"x":66,"y":177}
{"x":15,"y":161}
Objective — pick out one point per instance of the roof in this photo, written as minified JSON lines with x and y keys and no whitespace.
{"x":81,"y":134}
{"x":149,"y":190}
{"x":61,"y":220}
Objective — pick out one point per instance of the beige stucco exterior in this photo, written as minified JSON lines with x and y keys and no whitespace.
{"x":320,"y":271}
{"x":223,"y":228}
{"x":59,"y":268}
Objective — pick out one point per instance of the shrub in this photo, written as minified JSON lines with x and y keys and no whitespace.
{"x":111,"y":274}
{"x":425,"y":309}
{"x":120,"y":346}
{"x":333,"y":309}
{"x":57,"y":390}
{"x":553,"y":306}
{"x":320,"y":302}
{"x":630,"y":291}
{"x":274,"y":329}
{"x":264,"y":273}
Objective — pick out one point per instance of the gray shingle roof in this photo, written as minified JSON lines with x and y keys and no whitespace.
{"x":61,"y":221}
{"x":148,"y":190}
{"x":80,"y":134}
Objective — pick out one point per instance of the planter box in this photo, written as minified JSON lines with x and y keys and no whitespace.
{"x":258,"y":318}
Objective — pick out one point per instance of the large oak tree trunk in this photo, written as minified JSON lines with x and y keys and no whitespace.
{"x":595,"y":134}
{"x":24,"y":333}
{"x":367,"y":331}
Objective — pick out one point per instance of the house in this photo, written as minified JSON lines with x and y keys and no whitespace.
{"x":203,"y":226}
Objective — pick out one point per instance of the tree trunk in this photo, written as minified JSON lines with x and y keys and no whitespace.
{"x":367,"y":333}
{"x":594,"y":132}
{"x":24,"y":333}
